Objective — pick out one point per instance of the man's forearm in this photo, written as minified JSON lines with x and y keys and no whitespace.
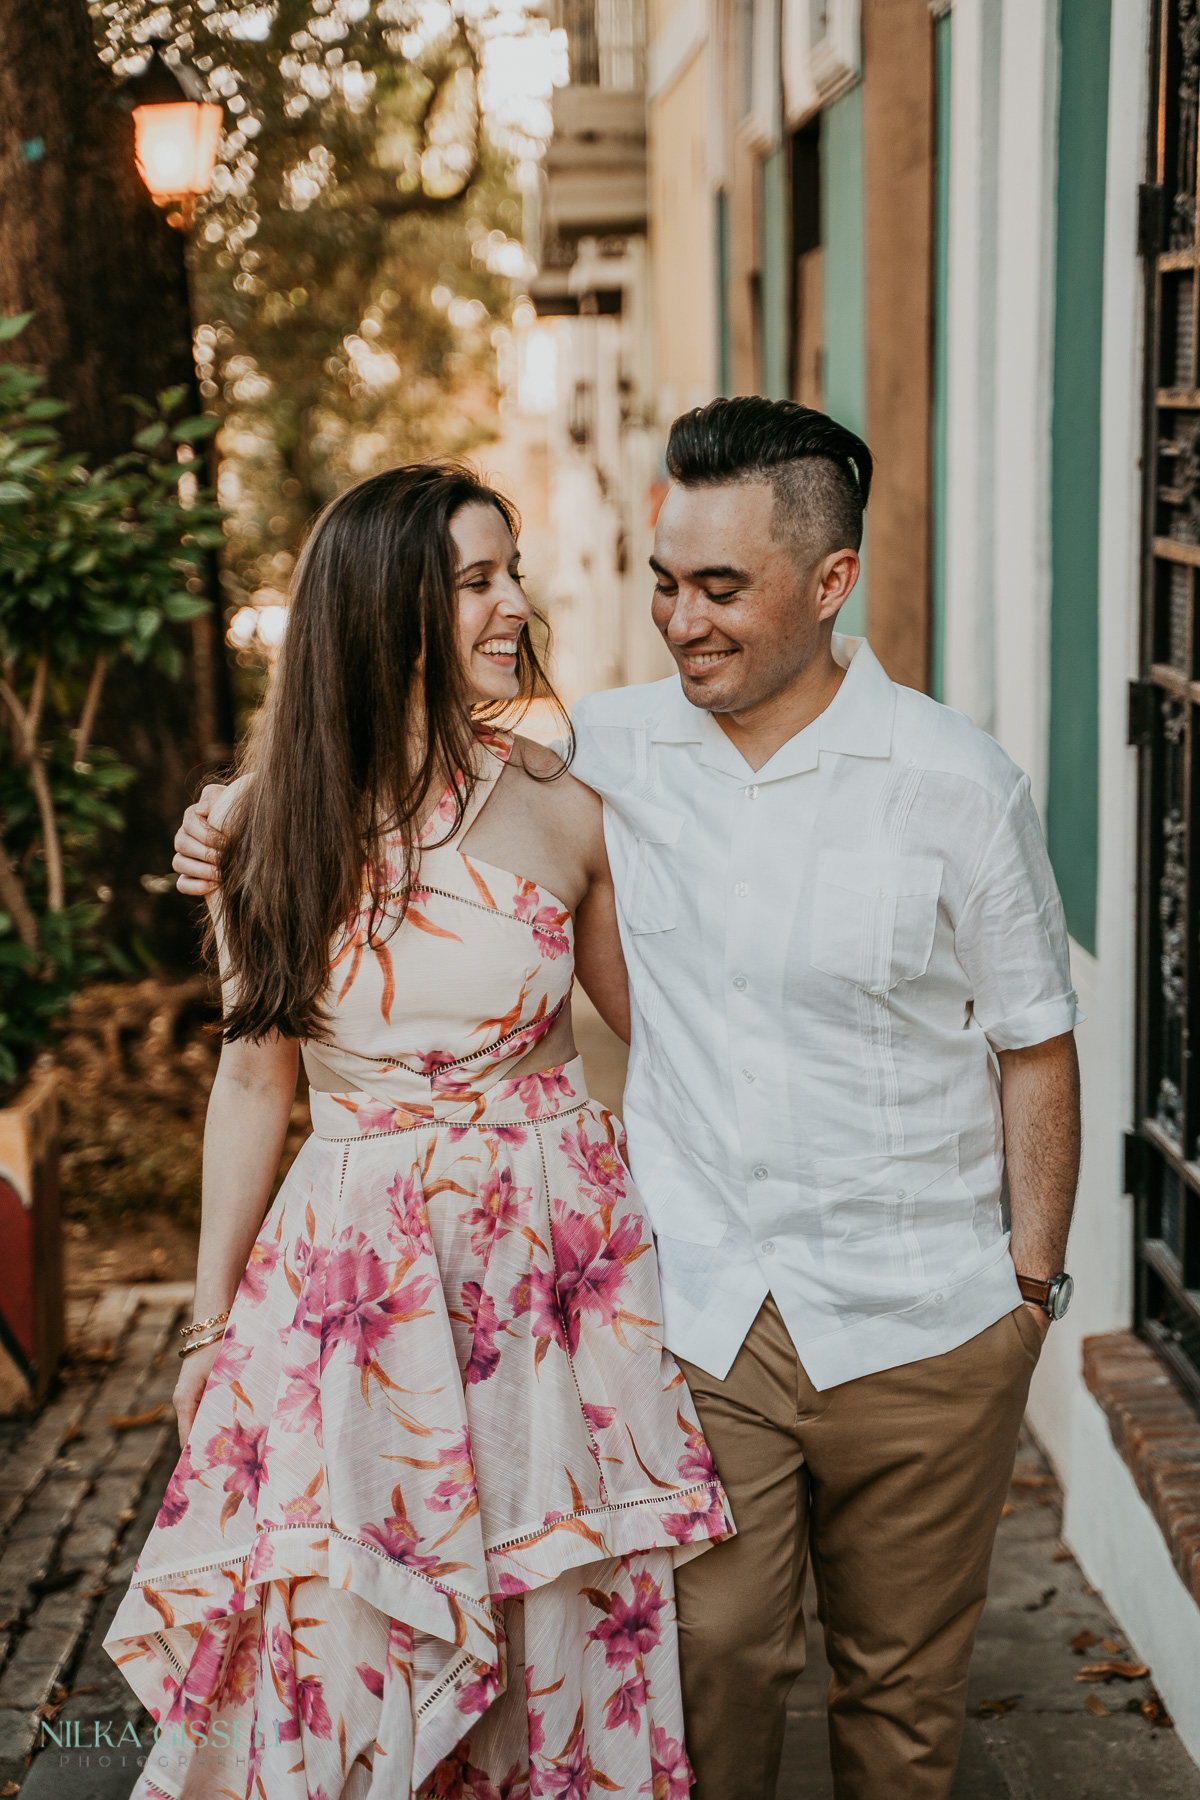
{"x":1039,"y":1096}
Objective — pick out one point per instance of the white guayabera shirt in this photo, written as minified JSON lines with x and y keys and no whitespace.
{"x":823,"y":955}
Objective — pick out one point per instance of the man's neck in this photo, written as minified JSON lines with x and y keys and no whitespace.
{"x":761,"y":730}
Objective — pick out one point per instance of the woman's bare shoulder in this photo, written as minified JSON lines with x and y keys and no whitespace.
{"x":227,"y":798}
{"x":552,"y":772}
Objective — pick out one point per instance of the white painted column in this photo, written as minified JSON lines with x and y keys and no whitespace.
{"x":1025,"y":217}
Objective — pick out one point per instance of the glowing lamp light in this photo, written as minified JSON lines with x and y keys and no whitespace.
{"x":176,"y":148}
{"x":176,"y":134}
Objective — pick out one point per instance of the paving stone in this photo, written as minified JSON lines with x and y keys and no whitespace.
{"x":51,"y":1509}
{"x":69,"y":1609}
{"x":18,"y":1732}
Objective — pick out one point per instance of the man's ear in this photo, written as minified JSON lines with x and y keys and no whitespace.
{"x":838,"y":576}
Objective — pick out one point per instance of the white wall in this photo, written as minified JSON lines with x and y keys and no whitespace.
{"x":1001,"y":299}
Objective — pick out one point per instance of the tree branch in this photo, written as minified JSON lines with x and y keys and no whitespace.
{"x":51,"y":847}
{"x":87,"y":718}
{"x":12,"y":894}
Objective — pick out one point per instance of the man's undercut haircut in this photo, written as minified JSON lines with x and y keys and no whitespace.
{"x":820,"y":471}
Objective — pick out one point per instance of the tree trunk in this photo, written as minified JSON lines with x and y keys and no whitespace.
{"x":83,"y":246}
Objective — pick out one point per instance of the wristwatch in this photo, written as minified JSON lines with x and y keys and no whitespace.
{"x":1053,"y":1296}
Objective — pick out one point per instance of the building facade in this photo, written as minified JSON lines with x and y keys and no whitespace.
{"x":968,"y":230}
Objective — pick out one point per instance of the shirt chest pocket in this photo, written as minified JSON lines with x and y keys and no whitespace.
{"x":874,"y":917}
{"x":651,"y":888}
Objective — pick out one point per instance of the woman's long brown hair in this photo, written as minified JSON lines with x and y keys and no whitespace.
{"x":367,"y":719}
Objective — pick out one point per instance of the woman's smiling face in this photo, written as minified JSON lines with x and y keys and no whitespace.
{"x":492,"y":608}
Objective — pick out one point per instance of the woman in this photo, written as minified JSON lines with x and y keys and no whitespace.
{"x":437,"y":1467}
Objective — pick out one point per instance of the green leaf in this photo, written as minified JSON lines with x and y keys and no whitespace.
{"x":12,"y":325}
{"x":172,"y":397}
{"x":83,"y":565}
{"x":138,"y":404}
{"x":183,"y":606}
{"x":45,"y":409}
{"x":191,"y":431}
{"x":151,"y":436}
{"x":13,"y":491}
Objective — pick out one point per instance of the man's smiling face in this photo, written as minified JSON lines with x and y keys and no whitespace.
{"x":740,"y":609}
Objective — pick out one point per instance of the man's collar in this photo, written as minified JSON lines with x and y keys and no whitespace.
{"x":857,"y":722}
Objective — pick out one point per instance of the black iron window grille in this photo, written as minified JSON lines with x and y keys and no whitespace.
{"x":1163,"y":1152}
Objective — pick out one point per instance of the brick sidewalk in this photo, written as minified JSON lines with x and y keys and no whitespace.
{"x":70,"y":1490}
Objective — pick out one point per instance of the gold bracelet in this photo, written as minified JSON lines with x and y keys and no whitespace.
{"x":202,"y":1344}
{"x":202,"y":1325}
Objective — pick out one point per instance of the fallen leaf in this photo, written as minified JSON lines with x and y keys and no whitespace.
{"x":1063,"y":1555}
{"x":1155,"y":1713}
{"x":128,"y":1421}
{"x":1113,"y":1648}
{"x":1097,"y":1708}
{"x":1110,"y":1671}
{"x":83,"y":1690}
{"x":1005,"y":1510}
{"x":998,"y":1708}
{"x":1034,"y":1481}
{"x":1047,"y":1596}
{"x":1083,"y":1640}
{"x":126,"y":1515}
{"x":10,"y":1788}
{"x":71,"y":1433}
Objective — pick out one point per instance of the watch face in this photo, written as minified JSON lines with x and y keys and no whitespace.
{"x":1061,"y":1289}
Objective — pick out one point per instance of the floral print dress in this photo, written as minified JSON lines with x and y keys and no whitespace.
{"x":422,"y":1535}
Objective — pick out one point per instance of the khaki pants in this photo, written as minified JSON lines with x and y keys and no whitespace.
{"x":892,"y":1486}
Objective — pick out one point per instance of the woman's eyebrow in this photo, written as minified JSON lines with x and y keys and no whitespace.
{"x":483,"y":562}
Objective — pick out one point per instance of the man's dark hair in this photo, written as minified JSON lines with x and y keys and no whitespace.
{"x":820,"y":471}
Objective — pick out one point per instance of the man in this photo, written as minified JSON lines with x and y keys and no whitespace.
{"x":851,"y":1063}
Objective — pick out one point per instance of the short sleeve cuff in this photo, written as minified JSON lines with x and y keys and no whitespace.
{"x":1036,"y":1025}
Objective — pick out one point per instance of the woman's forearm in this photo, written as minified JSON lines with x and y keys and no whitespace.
{"x":248,"y":1114}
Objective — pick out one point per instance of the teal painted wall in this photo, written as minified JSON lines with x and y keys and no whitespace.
{"x":1073,"y":789}
{"x":842,"y":216}
{"x":775,"y":289}
{"x":941,"y":284}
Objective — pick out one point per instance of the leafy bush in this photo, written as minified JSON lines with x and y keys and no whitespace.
{"x":95,"y":564}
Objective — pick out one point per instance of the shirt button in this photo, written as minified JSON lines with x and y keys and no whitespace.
{"x":749,"y":1075}
{"x":752,"y":793}
{"x":938,"y":1298}
{"x":883,"y":893}
{"x":768,"y":1248}
{"x":902,"y":1193}
{"x":739,"y":982}
{"x":741,"y":889}
{"x":760,"y":1172}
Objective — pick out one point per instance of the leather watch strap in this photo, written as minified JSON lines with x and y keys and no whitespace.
{"x":1037,"y":1292}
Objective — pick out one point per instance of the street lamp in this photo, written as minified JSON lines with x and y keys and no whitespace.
{"x":176,"y":132}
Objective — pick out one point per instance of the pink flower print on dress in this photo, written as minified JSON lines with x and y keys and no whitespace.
{"x":457,"y":1487}
{"x":175,"y":1501}
{"x":479,"y":1311}
{"x":696,"y":1463}
{"x":360,"y":1313}
{"x":238,"y":1684}
{"x":299,"y":1406}
{"x":407,"y":1196}
{"x":398,"y":1538}
{"x":303,"y":1695}
{"x":500,"y":1207}
{"x":232,"y":1358}
{"x":598,"y":1165}
{"x":626,"y":1705}
{"x":592,"y":1272}
{"x":375,"y":1115}
{"x":546,"y":921}
{"x":599,"y":1417}
{"x":670,"y":1770}
{"x":243,"y":1452}
{"x":702,"y":1517}
{"x":372,"y":1679}
{"x":631,"y":1628}
{"x":534,"y":1090}
{"x":259,"y":1269}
